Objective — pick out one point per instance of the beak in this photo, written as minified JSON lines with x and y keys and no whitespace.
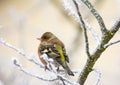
{"x":38,"y":38}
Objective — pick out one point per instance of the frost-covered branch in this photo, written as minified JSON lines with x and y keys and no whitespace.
{"x":115,"y":26}
{"x":57,"y":76}
{"x":109,"y":44}
{"x":82,"y":24}
{"x":107,"y":35}
{"x":98,"y":76}
{"x":68,"y":7}
{"x":19,"y":51}
{"x":93,"y":32}
{"x":96,"y":14}
{"x":16,"y":63}
{"x":112,"y":32}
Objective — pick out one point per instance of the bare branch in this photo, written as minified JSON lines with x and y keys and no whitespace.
{"x":96,"y":14}
{"x":82,"y":24}
{"x":19,"y":51}
{"x":109,"y":44}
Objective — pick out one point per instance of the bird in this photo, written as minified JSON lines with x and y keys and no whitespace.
{"x":55,"y":49}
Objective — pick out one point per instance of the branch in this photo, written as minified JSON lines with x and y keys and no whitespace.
{"x":82,"y":24}
{"x":69,"y":8}
{"x":106,"y":37}
{"x":96,"y":14}
{"x":93,"y":32}
{"x":58,"y":77}
{"x":99,"y":76}
{"x":19,"y":51}
{"x":112,"y":32}
{"x":115,"y":27}
{"x":99,"y":50}
{"x":72,"y":12}
{"x":16,"y":63}
{"x":109,"y":44}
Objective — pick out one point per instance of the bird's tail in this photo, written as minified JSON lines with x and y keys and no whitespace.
{"x":65,"y":66}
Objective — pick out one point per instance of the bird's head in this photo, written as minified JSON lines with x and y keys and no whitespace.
{"x":46,"y":36}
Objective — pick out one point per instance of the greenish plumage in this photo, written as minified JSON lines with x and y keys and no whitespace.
{"x":59,"y":49}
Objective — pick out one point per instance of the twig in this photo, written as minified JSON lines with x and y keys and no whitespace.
{"x":19,"y":51}
{"x":16,"y":63}
{"x":99,"y":76}
{"x":84,"y":28}
{"x":112,"y":32}
{"x":68,"y":81}
{"x":115,"y":27}
{"x":3,"y":42}
{"x":106,"y":37}
{"x":72,"y":12}
{"x":109,"y":44}
{"x":96,"y":14}
{"x":93,"y":32}
{"x":62,"y":81}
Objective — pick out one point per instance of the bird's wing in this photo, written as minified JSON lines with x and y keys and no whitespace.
{"x":57,"y":41}
{"x":63,"y":52}
{"x":60,"y":51}
{"x":52,"y":52}
{"x":66,"y":56}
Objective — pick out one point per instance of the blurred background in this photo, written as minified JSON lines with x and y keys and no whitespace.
{"x":22,"y":21}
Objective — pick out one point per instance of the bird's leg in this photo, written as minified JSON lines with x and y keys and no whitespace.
{"x":58,"y":69}
{"x":50,"y":66}
{"x":46,"y":68}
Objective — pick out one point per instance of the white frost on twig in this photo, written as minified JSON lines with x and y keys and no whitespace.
{"x":57,"y":77}
{"x":111,"y":43}
{"x":16,"y":63}
{"x":98,"y":77}
{"x":19,"y":51}
{"x":93,"y":32}
{"x":68,"y":7}
{"x":70,"y":10}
